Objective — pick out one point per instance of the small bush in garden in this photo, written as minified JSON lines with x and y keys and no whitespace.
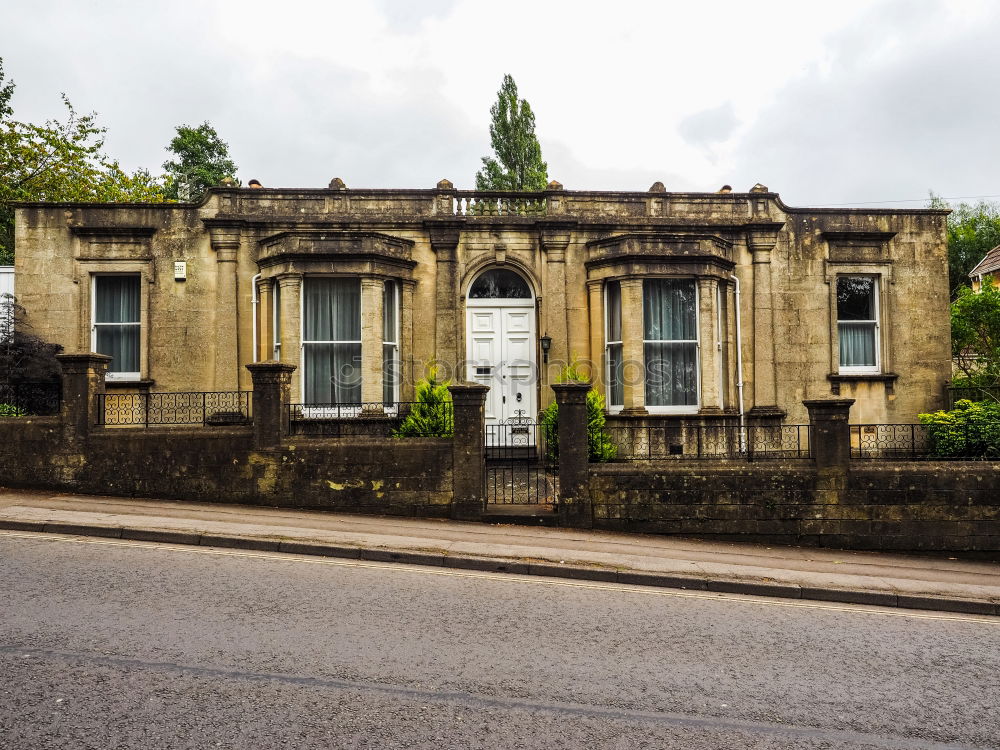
{"x":9,"y":410}
{"x":431,"y":415}
{"x":971,"y":429}
{"x":601,"y":447}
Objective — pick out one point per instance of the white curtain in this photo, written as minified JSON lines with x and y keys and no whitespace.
{"x":390,"y":343}
{"x":671,"y":348}
{"x":116,"y":319}
{"x":857,"y":344}
{"x":331,"y":334}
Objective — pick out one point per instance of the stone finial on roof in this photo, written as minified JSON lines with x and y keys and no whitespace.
{"x":726,"y":189}
{"x":657,"y":187}
{"x":337,"y":184}
{"x":445,"y":184}
{"x":554,"y":185}
{"x":758,"y":188}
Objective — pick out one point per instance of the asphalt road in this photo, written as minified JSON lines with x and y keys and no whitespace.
{"x":111,"y":644}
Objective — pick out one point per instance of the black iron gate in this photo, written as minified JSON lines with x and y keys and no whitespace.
{"x":520,"y":469}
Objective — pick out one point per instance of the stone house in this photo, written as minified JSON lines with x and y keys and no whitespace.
{"x":702,"y":306}
{"x":987,"y":271}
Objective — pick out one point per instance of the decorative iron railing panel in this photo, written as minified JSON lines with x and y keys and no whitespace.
{"x":191,"y":407}
{"x":709,"y":442}
{"x":918,"y":442}
{"x":375,"y":419}
{"x":32,"y":399}
{"x":519,"y":468}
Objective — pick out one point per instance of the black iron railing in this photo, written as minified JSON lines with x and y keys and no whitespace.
{"x":958,"y":442}
{"x":520,"y":470}
{"x":709,"y":442}
{"x":373,"y":419}
{"x":30,"y":399}
{"x":190,"y":407}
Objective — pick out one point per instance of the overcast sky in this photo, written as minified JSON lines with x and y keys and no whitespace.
{"x":825,"y":102}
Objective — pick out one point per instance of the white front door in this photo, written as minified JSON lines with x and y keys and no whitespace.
{"x":501,"y":354}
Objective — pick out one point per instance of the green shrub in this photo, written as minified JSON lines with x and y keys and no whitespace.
{"x":431,"y":415}
{"x":971,"y":429}
{"x":600,"y":446}
{"x":9,"y":410}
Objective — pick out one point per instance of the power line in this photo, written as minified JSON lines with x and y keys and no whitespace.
{"x":913,"y":200}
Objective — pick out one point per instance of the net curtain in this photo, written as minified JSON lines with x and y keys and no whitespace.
{"x":331,"y":328}
{"x":116,"y":315}
{"x":671,"y":342}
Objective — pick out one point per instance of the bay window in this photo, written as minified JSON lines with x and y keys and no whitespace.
{"x":670,"y":342}
{"x":331,"y":340}
{"x":857,"y":324}
{"x":116,"y":328}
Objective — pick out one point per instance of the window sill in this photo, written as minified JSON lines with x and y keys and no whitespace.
{"x":837,"y":379}
{"x":138,"y":383}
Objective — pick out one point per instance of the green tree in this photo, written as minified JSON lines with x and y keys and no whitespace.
{"x":973,"y":230}
{"x":431,"y":415}
{"x":201,"y":161}
{"x":975,"y":335}
{"x":61,"y":160}
{"x":518,"y":164}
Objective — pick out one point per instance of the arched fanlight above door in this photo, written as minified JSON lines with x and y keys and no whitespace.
{"x":499,"y":283}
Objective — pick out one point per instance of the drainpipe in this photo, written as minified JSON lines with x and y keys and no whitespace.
{"x":253,"y":319}
{"x":739,"y":360}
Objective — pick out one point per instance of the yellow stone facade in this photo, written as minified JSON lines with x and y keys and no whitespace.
{"x":220,"y":285}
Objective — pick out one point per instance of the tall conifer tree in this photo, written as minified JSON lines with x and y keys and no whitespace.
{"x":518,"y":164}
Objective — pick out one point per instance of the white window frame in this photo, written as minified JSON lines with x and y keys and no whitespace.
{"x":611,"y":407}
{"x":679,"y":408}
{"x":877,"y":344}
{"x":345,"y":410}
{"x":123,"y":377}
{"x":395,"y":344}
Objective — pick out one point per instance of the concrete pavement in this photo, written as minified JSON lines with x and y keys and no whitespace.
{"x":936,"y":583}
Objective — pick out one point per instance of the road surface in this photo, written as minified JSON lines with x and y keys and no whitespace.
{"x":117,"y":644}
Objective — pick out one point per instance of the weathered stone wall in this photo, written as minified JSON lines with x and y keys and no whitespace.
{"x":920,"y":506}
{"x":786,"y":260}
{"x":409,"y":477}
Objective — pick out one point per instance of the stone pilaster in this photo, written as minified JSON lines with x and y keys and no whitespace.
{"x":556,"y":322}
{"x":265,"y":320}
{"x":372,"y":295}
{"x":469,"y":451}
{"x":406,"y":343}
{"x":290,"y":320}
{"x":271,"y":397}
{"x":634,"y":387}
{"x":448,"y":349}
{"x":226,"y":244}
{"x":709,"y":346}
{"x":598,"y":365}
{"x":82,"y":389}
{"x":575,"y":507}
{"x":765,"y":395}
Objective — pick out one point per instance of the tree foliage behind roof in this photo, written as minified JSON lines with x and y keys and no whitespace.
{"x":201,"y":161}
{"x":61,"y":160}
{"x":975,"y":335}
{"x":518,"y":164}
{"x":973,"y":230}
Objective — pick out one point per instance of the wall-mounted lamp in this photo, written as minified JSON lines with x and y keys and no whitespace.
{"x":546,"y":342}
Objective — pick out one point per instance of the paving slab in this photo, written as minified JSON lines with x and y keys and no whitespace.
{"x":643,"y":559}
